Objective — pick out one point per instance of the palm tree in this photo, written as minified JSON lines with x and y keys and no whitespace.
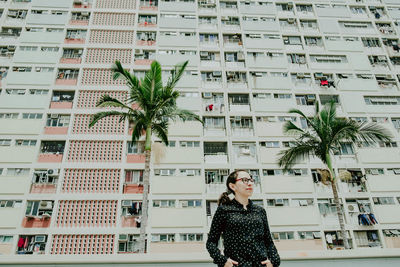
{"x":323,"y":137}
{"x":156,"y":105}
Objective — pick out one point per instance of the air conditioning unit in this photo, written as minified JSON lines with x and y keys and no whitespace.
{"x":279,"y":202}
{"x":224,"y":18}
{"x":204,"y":54}
{"x":46,"y":216}
{"x":190,"y":172}
{"x":237,"y":118}
{"x":40,"y":239}
{"x":310,"y":97}
{"x":156,"y":172}
{"x":185,"y":203}
{"x":46,"y":205}
{"x":52,"y":172}
{"x":126,"y":203}
{"x":245,"y":151}
{"x":374,"y":172}
{"x":258,"y":74}
{"x":193,"y":72}
{"x":164,"y":172}
{"x":123,"y":237}
{"x":207,"y":95}
{"x":353,"y":208}
{"x":291,"y":20}
{"x":240,"y":56}
{"x":139,"y":51}
{"x":11,"y":48}
{"x":300,"y":75}
{"x":38,"y":69}
{"x":77,"y":2}
{"x":297,"y":172}
{"x":85,"y":13}
{"x":217,"y":73}
{"x":396,"y":171}
{"x":54,"y":116}
{"x":230,"y":73}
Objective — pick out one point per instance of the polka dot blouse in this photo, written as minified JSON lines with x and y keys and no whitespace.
{"x":245,"y":233}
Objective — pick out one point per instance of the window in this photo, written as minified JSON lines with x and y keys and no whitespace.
{"x":164,"y":203}
{"x":189,"y":144}
{"x":5,"y":142}
{"x":61,"y":96}
{"x":57,"y":120}
{"x":387,"y":144}
{"x":310,"y":235}
{"x":8,"y":115}
{"x":15,"y":91}
{"x":297,"y":172}
{"x":270,"y":144}
{"x":302,"y":202}
{"x":190,"y":203}
{"x":39,"y":208}
{"x":38,"y":92}
{"x":383,"y":200}
{"x":25,"y":142}
{"x":269,"y":172}
{"x":374,"y":171}
{"x":135,"y":147}
{"x":191,"y":237}
{"x":4,"y":239}
{"x":163,"y":238}
{"x":283,"y":235}
{"x":10,"y":203}
{"x":395,"y":171}
{"x":190,"y":172}
{"x":164,"y":172}
{"x":382,"y":100}
{"x":278,"y":202}
{"x":134,"y":176}
{"x":32,"y":116}
{"x":17,"y":172}
{"x":346,"y":149}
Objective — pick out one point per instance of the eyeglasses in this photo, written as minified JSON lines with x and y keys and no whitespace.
{"x":246,"y":180}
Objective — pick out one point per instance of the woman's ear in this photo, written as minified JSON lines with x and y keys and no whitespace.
{"x":232,"y":187}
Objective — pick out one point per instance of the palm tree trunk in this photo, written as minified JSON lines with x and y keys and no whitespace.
{"x":336,"y":199}
{"x":146,"y":190}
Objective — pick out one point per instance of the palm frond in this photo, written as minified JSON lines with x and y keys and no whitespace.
{"x":176,"y":75}
{"x":294,"y":154}
{"x":291,"y":128}
{"x":108,"y":101}
{"x":373,"y":132}
{"x":138,"y":128}
{"x":120,"y":72}
{"x":161,"y":131}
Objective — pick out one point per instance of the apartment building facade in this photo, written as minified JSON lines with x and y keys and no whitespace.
{"x":66,"y":189}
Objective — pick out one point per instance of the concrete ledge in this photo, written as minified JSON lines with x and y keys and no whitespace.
{"x":195,"y":259}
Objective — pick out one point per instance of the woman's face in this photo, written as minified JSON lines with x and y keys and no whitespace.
{"x":242,"y":188}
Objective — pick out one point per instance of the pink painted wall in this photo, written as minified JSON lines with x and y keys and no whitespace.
{"x":133,"y":189}
{"x":135,"y":158}
{"x":43,"y":188}
{"x":50,"y":158}
{"x":36,"y":222}
{"x":55,"y":130}
{"x":63,"y":105}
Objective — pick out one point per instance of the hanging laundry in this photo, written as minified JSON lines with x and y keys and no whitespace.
{"x":21,"y":242}
{"x":328,"y":238}
{"x":323,"y":82}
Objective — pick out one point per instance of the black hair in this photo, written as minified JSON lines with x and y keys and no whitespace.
{"x":224,"y":198}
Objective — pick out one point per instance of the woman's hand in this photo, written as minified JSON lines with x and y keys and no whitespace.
{"x":268,"y":263}
{"x":230,"y":263}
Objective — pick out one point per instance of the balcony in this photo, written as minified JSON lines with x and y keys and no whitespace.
{"x":178,"y":40}
{"x":67,"y":77}
{"x":17,"y":154}
{"x":51,"y":151}
{"x":173,"y":59}
{"x":38,"y":214}
{"x":351,"y":84}
{"x":180,"y":6}
{"x":131,"y":213}
{"x":379,"y":155}
{"x":175,"y":155}
{"x":177,"y":217}
{"x":333,"y":12}
{"x":304,"y":216}
{"x":258,"y":8}
{"x":187,"y":128}
{"x":30,"y":78}
{"x":263,"y":62}
{"x":37,"y":244}
{"x":345,"y":46}
{"x":148,"y":6}
{"x":177,"y":185}
{"x":260,"y":25}
{"x":287,"y":184}
{"x":47,"y":19}
{"x":178,"y":22}
{"x":383,"y":183}
{"x":270,"y":82}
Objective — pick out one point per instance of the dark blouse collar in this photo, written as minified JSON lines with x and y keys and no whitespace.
{"x":240,"y":205}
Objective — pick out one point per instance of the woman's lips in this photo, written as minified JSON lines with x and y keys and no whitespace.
{"x":249,"y":189}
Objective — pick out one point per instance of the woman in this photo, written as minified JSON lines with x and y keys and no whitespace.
{"x":244,"y":227}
